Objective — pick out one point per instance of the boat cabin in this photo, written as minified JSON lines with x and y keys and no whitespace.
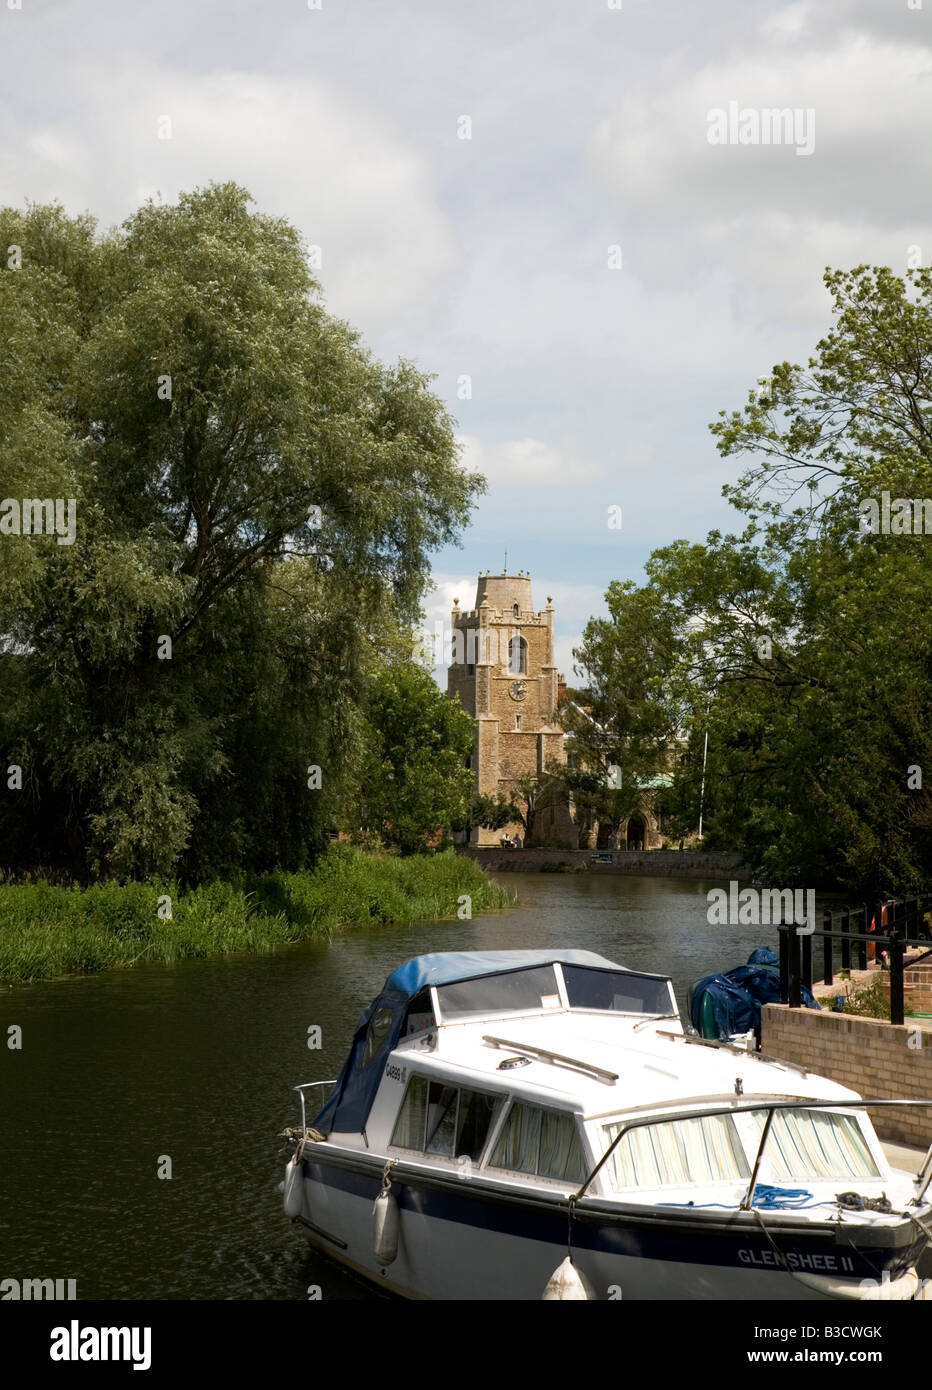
{"x":525,"y":1066}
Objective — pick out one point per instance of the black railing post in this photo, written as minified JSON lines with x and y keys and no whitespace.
{"x":784,"y":965}
{"x":845,"y":944}
{"x":806,"y":973}
{"x":795,"y":999}
{"x":827,"y":973}
{"x":897,"y":1004}
{"x":862,"y":945}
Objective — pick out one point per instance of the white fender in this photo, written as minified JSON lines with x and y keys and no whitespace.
{"x":294,"y":1188}
{"x":567,"y":1282}
{"x":385,"y":1223}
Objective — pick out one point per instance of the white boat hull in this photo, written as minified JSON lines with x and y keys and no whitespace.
{"x":478,"y":1251}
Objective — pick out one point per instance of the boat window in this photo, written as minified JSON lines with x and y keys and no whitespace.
{"x":409,"y":1127}
{"x":514,"y":990}
{"x":379,"y":1024}
{"x":811,"y":1144}
{"x":477,"y":1113}
{"x":540,"y":1141}
{"x":443,"y":1120}
{"x":420,"y":1014}
{"x":618,"y":990}
{"x":671,"y":1152}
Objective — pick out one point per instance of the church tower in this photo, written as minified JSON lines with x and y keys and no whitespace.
{"x":503,"y":673}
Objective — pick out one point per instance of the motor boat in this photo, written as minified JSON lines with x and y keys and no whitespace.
{"x":538,"y":1124}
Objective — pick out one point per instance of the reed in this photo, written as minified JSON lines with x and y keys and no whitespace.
{"x":49,"y":929}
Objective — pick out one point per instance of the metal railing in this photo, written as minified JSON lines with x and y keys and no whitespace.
{"x":891,"y":938}
{"x":306,"y":1086}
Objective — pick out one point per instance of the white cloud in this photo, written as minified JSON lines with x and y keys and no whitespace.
{"x":868,"y":97}
{"x":518,"y":462}
{"x":488,"y":257}
{"x":353,"y":185}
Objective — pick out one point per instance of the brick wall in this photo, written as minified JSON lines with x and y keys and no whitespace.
{"x":917,"y":988}
{"x":871,"y":1056}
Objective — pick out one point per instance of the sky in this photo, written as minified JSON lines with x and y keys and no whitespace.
{"x":534,"y":200}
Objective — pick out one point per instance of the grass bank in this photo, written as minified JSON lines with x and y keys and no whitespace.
{"x":48,"y":929}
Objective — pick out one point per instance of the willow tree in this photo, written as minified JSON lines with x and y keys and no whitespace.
{"x":256,"y":500}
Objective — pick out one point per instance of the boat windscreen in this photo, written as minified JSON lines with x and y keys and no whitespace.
{"x":513,"y":990}
{"x":617,"y":990}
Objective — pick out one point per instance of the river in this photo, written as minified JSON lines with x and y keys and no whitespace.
{"x":194,"y":1062}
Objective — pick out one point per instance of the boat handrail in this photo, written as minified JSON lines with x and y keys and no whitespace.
{"x":799,"y":1103}
{"x":306,"y":1086}
{"x":610,"y":1077}
{"x":924,"y":1176}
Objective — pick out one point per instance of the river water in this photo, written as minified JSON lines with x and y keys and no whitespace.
{"x":194,"y":1062}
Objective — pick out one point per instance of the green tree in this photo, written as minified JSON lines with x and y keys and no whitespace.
{"x":532,"y":793}
{"x":416,"y":780}
{"x":624,"y":723}
{"x":252,"y":486}
{"x":489,"y":812}
{"x":803,"y":645}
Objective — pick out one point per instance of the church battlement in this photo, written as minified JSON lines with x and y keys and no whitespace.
{"x":503,"y":599}
{"x":461,"y":616}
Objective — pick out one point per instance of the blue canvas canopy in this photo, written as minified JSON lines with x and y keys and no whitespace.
{"x":347,"y":1108}
{"x":730,"y":1002}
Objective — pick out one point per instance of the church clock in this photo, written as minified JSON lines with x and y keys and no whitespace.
{"x":517,"y":690}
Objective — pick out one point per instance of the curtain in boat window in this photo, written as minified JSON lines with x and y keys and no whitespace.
{"x":813,"y":1144}
{"x":540,"y":1141}
{"x":409,"y":1127}
{"x":704,"y":1149}
{"x":519,"y":1140}
{"x":560,"y":1154}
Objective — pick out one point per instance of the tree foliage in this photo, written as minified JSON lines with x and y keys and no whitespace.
{"x":415,"y":775}
{"x":251,"y":484}
{"x":803,"y":644}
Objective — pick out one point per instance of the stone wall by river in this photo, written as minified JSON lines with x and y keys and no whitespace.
{"x":656,"y":863}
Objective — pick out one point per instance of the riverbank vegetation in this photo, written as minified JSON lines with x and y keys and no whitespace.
{"x":782,"y":673}
{"x":49,"y":929}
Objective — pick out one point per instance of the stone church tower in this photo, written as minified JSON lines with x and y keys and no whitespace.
{"x":503,"y":673}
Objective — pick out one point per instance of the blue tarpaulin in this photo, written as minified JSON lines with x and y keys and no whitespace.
{"x":730,"y":1002}
{"x":348,"y":1106}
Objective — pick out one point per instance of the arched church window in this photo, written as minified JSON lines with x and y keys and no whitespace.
{"x":517,"y":657}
